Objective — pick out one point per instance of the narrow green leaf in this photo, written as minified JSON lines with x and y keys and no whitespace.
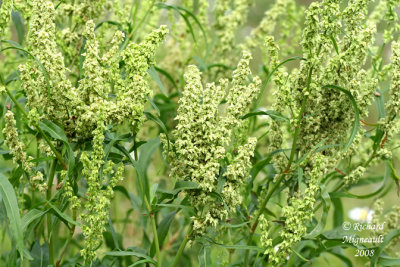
{"x":184,"y":185}
{"x":378,"y":251}
{"x":140,"y":262}
{"x":57,"y":133}
{"x":31,"y":216}
{"x":334,"y":44}
{"x":19,"y":25}
{"x":388,"y":261}
{"x":275,"y":115}
{"x":10,"y":202}
{"x":337,"y":212}
{"x":301,"y":257}
{"x":162,"y":231}
{"x":130,"y":253}
{"x":153,"y":73}
{"x":159,"y":123}
{"x":183,"y":12}
{"x":166,"y":74}
{"x":64,"y":217}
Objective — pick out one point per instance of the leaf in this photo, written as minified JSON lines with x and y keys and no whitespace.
{"x":162,"y":231}
{"x":334,"y":44}
{"x":31,"y":216}
{"x":19,"y":25}
{"x":111,"y":22}
{"x":205,"y":256}
{"x":184,"y":185}
{"x":130,"y":253}
{"x":156,"y":120}
{"x":356,"y":124}
{"x":42,"y":68}
{"x":166,"y":74}
{"x":181,"y":12}
{"x":179,"y":206}
{"x":235,"y":225}
{"x":259,"y":166}
{"x":40,"y":254}
{"x":301,"y":257}
{"x":378,"y":251}
{"x":342,"y":257}
{"x":239,"y":247}
{"x":140,"y":262}
{"x":350,"y":195}
{"x":153,"y":73}
{"x":143,"y":184}
{"x":64,"y":217}
{"x":337,"y":212}
{"x":275,"y":115}
{"x":380,"y":104}
{"x":57,"y":133}
{"x":388,"y":261}
{"x":155,"y":107}
{"x":10,"y":202}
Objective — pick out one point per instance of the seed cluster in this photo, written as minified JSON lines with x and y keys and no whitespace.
{"x":201,"y":137}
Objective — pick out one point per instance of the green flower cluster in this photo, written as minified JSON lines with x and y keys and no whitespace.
{"x":280,"y":10}
{"x":98,"y":195}
{"x":297,"y":215}
{"x":354,"y":176}
{"x":340,"y":62}
{"x":52,"y":94}
{"x":17,"y":150}
{"x":5,"y":15}
{"x":201,"y":137}
{"x":393,"y":105}
{"x":230,"y":15}
{"x":391,"y":221}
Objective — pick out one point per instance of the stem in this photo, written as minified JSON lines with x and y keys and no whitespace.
{"x":64,"y":249}
{"x":48,"y":196}
{"x":276,"y":185}
{"x":58,"y":155}
{"x":154,"y":227}
{"x":182,"y":246}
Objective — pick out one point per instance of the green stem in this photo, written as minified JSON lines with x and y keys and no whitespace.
{"x":58,"y":155}
{"x":154,"y":227}
{"x":64,"y":249}
{"x":48,"y":197}
{"x":182,"y":246}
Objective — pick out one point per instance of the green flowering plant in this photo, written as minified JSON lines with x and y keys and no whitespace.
{"x":199,"y":133}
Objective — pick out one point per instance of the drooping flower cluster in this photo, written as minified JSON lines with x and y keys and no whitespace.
{"x":201,"y":137}
{"x":354,"y":176}
{"x":329,"y":113}
{"x":229,"y":16}
{"x":106,"y":93}
{"x":297,"y":215}
{"x":393,"y":105}
{"x":281,"y":10}
{"x":99,"y":194}
{"x":17,"y":150}
{"x":5,"y":15}
{"x":52,"y":94}
{"x":390,"y":221}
